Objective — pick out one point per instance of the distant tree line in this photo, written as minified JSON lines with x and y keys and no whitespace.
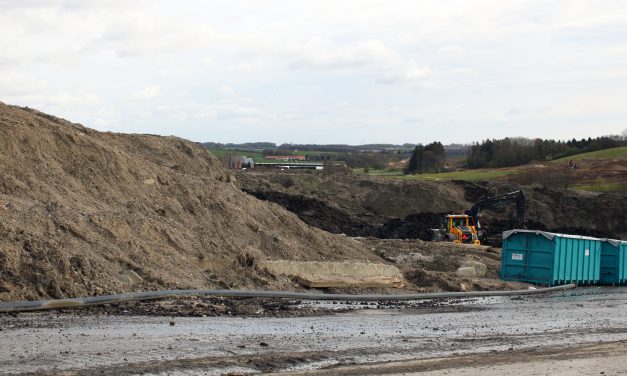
{"x":429,"y":158}
{"x":519,"y":151}
{"x":342,"y":148}
{"x":243,"y":146}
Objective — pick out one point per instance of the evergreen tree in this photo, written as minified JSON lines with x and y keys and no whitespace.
{"x":415,"y":161}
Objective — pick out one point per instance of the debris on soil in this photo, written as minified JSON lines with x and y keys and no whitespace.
{"x":431,"y":266}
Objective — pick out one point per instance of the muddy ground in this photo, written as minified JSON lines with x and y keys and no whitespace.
{"x":485,"y":332}
{"x":400,"y":209}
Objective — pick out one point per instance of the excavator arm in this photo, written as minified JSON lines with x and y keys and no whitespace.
{"x":517,"y":197}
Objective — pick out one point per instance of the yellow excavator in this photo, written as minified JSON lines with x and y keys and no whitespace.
{"x":466,"y":228}
{"x":459,"y":229}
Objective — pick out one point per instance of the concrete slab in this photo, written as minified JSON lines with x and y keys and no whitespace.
{"x":336,"y":274}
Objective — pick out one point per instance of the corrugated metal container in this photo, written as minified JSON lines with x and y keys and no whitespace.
{"x":550,"y":259}
{"x":613,"y":262}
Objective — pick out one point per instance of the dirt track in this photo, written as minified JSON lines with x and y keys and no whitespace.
{"x":604,"y":359}
{"x":470,"y":332}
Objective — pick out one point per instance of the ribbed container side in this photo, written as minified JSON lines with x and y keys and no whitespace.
{"x":613,"y":262}
{"x":550,"y":259}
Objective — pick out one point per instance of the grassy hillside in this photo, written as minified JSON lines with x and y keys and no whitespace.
{"x":479,"y":174}
{"x":470,"y":175}
{"x":620,"y":152}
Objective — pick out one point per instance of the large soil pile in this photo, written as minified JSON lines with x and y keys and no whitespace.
{"x":84,"y":212}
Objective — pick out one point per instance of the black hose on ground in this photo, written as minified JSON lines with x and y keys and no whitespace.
{"x":25,"y":306}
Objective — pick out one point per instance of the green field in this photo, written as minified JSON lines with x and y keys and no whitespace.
{"x":620,"y":152}
{"x":374,"y":172}
{"x":470,"y":175}
{"x":595,"y":186}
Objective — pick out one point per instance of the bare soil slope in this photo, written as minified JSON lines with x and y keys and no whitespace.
{"x":406,"y":209}
{"x":84,"y":212}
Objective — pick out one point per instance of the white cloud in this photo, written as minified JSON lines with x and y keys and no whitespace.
{"x":236,"y":111}
{"x":289,"y":60}
{"x":410,"y":73}
{"x":450,"y":50}
{"x":15,"y":83}
{"x":516,"y":111}
{"x":226,"y":91}
{"x":146,"y":93}
{"x":318,"y":53}
{"x":75,"y":99}
{"x":210,"y":111}
{"x":254,"y":66}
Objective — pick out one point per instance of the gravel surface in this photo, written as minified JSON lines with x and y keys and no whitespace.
{"x":114,"y":344}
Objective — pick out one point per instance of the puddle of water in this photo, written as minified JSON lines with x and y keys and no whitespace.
{"x":396,"y":305}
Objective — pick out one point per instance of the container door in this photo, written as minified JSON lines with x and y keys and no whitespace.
{"x":622,"y":264}
{"x":514,"y":258}
{"x":578,"y":260}
{"x":609,"y":263}
{"x":540,"y":262}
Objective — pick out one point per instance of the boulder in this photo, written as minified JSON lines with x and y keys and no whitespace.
{"x":470,"y":268}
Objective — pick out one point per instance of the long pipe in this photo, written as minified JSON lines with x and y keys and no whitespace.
{"x":24,"y":306}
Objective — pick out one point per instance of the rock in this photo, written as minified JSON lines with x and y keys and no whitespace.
{"x":466,"y":272}
{"x":130,"y":278}
{"x":480,"y":269}
{"x":412,"y":258}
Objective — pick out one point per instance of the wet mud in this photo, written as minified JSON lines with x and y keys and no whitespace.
{"x":110,"y":344}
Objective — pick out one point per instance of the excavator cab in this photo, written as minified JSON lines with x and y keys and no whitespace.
{"x":459,"y":229}
{"x":465,"y":228}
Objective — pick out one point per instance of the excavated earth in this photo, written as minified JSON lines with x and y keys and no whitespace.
{"x":400,"y":209}
{"x":89,"y":213}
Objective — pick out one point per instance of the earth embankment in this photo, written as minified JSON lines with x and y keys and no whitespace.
{"x":85,"y":213}
{"x":400,"y":209}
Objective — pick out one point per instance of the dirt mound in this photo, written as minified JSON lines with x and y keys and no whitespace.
{"x":84,"y":212}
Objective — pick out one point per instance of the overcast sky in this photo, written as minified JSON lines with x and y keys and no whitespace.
{"x":321,"y":71}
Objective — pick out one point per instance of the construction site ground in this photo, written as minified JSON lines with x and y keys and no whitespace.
{"x":400,"y":209}
{"x":576,"y":332}
{"x":87,"y":213}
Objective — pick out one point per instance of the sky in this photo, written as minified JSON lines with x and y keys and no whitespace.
{"x":327,"y":72}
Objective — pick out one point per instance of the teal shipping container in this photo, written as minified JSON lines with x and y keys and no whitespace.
{"x":613,"y":262}
{"x":550,"y":259}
